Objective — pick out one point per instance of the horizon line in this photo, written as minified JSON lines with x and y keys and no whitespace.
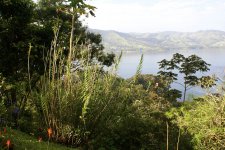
{"x":158,"y":31}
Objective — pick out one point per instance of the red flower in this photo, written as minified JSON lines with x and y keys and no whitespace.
{"x":8,"y":142}
{"x":49,"y":132}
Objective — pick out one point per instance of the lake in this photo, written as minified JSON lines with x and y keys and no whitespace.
{"x":130,"y":61}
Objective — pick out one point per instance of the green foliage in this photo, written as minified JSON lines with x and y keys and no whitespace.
{"x":187,"y":66}
{"x":28,"y":36}
{"x":56,"y":81}
{"x":203,"y":119}
{"x":2,"y":100}
{"x":137,"y":124}
{"x":69,"y":100}
{"x":11,"y":31}
{"x":84,"y":107}
{"x":72,"y":32}
{"x":157,"y":85}
{"x":21,"y":141}
{"x":207,"y":81}
{"x":138,"y":72}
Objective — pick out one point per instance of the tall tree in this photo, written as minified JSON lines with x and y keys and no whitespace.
{"x":33,"y":24}
{"x":72,"y":33}
{"x":26,"y":35}
{"x":14,"y":36}
{"x":187,"y":66}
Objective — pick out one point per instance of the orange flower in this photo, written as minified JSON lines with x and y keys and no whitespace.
{"x":49,"y":132}
{"x":8,"y":143}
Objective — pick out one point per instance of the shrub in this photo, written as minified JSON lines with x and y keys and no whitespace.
{"x":204,"y":120}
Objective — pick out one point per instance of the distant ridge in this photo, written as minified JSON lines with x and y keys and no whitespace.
{"x":161,"y":41}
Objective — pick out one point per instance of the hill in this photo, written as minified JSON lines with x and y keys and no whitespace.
{"x":162,"y":41}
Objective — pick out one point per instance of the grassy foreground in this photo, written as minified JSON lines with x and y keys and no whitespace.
{"x":22,"y":141}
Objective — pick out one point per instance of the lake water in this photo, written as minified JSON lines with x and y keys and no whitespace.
{"x":130,"y":61}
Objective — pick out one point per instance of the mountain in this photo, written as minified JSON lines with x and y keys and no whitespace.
{"x":162,"y":41}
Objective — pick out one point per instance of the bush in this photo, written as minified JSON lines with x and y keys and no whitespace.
{"x":204,"y":120}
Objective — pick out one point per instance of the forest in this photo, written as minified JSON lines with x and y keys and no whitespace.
{"x":59,"y":89}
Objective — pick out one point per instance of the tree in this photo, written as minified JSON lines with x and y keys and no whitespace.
{"x":31,"y":24}
{"x":14,"y":36}
{"x":16,"y":32}
{"x":72,"y":34}
{"x":156,"y":85}
{"x":187,"y":66}
{"x":26,"y":36}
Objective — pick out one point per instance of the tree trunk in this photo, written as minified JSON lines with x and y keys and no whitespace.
{"x":185,"y":90}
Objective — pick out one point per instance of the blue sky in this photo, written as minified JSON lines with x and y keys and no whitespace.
{"x":158,"y":15}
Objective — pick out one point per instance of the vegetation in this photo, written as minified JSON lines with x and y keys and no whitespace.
{"x":20,"y":141}
{"x":186,"y":67}
{"x":57,"y":90}
{"x":204,"y":120}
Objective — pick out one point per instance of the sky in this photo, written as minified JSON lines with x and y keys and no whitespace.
{"x":157,"y":15}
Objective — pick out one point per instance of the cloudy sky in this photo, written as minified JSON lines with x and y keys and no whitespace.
{"x":158,"y":15}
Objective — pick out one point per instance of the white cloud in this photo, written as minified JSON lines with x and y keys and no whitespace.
{"x":160,"y":15}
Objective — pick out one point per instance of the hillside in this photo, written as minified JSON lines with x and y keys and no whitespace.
{"x":117,"y":41}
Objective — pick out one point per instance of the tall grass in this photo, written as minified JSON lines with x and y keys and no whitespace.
{"x":73,"y":101}
{"x":80,"y":102}
{"x":86,"y":105}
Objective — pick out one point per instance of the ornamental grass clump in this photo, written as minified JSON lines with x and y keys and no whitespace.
{"x":74,"y":93}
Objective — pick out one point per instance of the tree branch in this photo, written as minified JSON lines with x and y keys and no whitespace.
{"x":179,"y":83}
